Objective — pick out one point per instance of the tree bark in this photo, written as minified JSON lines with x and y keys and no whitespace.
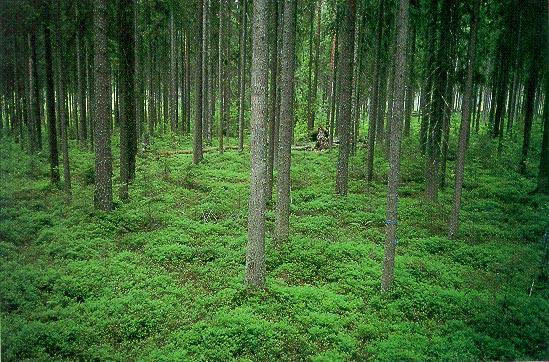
{"x":372,"y":117}
{"x":453,"y":225}
{"x":286,"y":122}
{"x":128,"y":134}
{"x":394,"y":146}
{"x":344,"y":120}
{"x":255,"y":255}
{"x":273,"y":99}
{"x":173,"y":74}
{"x":242,"y":74}
{"x":200,"y":85}
{"x":102,"y":113}
{"x":83,"y":129}
{"x":50,"y":103}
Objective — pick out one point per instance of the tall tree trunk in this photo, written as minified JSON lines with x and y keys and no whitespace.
{"x":453,"y":224}
{"x":531,"y":87}
{"x":394,"y":148}
{"x":83,"y":136}
{"x":200,"y":85}
{"x":62,"y":105}
{"x":344,"y":120}
{"x":273,"y":100}
{"x":50,"y":103}
{"x":128,"y":134}
{"x":255,"y":254}
{"x":242,"y":75}
{"x":437,"y":116}
{"x":286,"y":122}
{"x":310,"y":124}
{"x":36,"y":142}
{"x":188,"y":83}
{"x":333,"y":83}
{"x":173,"y":74}
{"x":316,"y":61}
{"x":222,"y":75}
{"x":409,"y":105}
{"x":102,"y":113}
{"x":372,"y":131}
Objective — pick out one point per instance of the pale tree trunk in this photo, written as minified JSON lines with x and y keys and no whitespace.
{"x":453,"y":225}
{"x":286,"y":122}
{"x":102,"y":113}
{"x":394,"y":147}
{"x":255,"y":254}
{"x":344,"y":117}
{"x":221,"y":72}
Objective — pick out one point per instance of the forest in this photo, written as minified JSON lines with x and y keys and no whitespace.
{"x":274,"y":180}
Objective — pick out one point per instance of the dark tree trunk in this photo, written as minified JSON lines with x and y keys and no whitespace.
{"x":310,"y":124}
{"x":372,"y":131}
{"x":410,"y":75}
{"x":35,"y":121}
{"x":531,"y":87}
{"x":62,"y":105}
{"x":242,"y":74}
{"x":344,"y":120}
{"x":102,"y":113}
{"x":453,"y":225}
{"x":437,"y":117}
{"x":83,"y":129}
{"x":200,"y":82}
{"x":173,"y":75}
{"x":50,"y":102}
{"x":128,"y":133}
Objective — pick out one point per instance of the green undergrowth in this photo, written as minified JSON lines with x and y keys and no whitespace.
{"x":161,"y":277}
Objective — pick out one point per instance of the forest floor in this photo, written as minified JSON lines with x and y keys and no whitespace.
{"x":161,"y":277}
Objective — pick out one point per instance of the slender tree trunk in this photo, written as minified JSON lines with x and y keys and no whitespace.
{"x":83,"y":136}
{"x":103,"y":157}
{"x":200,"y":85}
{"x":255,"y":254}
{"x":173,"y":75}
{"x":222,"y":74}
{"x":453,"y":224}
{"x":273,"y":100}
{"x":35,"y":99}
{"x":344,"y":120}
{"x":286,"y":122}
{"x":62,"y":105}
{"x":242,"y":75}
{"x":316,"y":61}
{"x":333,"y":83}
{"x":310,"y":124}
{"x":394,"y":149}
{"x":188,"y":83}
{"x":128,"y":134}
{"x":436,"y":119}
{"x":50,"y":103}
{"x":411,"y":81}
{"x":372,"y":131}
{"x":529,"y":111}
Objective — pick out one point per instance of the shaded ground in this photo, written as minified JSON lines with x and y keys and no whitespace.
{"x":160,"y":278}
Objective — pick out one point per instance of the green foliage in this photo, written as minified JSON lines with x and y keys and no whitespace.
{"x":160,"y":277}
